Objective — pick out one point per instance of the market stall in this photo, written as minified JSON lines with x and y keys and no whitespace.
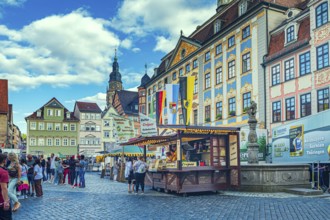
{"x":199,"y":159}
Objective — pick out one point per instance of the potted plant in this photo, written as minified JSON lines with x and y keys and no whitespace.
{"x":207,"y":119}
{"x":219,"y":116}
{"x":245,"y":109}
{"x":232,"y":113}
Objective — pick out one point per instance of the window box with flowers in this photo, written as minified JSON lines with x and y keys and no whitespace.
{"x":219,"y":116}
{"x":232,"y":113}
{"x":245,"y":110}
{"x":207,"y":119}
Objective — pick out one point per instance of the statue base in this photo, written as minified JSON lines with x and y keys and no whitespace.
{"x":253,"y":151}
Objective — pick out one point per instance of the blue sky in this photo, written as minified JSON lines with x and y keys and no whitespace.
{"x":65,"y":48}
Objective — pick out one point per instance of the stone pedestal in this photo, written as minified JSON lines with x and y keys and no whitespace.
{"x":274,"y":177}
{"x":253,"y":151}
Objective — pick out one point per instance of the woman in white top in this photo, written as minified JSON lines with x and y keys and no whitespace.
{"x":129,"y":175}
{"x":38,"y":178}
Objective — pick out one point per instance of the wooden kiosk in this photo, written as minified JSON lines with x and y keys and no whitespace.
{"x":215,"y":166}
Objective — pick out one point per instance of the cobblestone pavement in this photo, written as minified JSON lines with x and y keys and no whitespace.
{"x":104,"y":199}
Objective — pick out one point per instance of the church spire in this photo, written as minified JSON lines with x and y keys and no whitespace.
{"x":115,"y":74}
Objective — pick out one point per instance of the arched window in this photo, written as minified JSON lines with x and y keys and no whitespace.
{"x":321,"y":13}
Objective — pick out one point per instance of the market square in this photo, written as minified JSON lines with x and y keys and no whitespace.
{"x":143,"y":109}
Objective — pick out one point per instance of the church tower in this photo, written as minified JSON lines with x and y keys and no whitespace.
{"x":115,"y":82}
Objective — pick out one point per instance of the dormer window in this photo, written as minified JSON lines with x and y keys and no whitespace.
{"x":68,"y":115}
{"x":290,"y":36}
{"x":217,"y":26}
{"x":39,"y":113}
{"x":242,"y":8}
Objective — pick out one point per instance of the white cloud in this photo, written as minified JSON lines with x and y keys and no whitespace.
{"x":144,"y":17}
{"x":133,"y":78}
{"x":126,"y":43}
{"x":12,"y":2}
{"x":136,"y":50}
{"x":74,"y":48}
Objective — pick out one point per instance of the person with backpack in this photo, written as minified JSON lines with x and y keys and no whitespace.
{"x":30,"y":164}
{"x":140,"y":168}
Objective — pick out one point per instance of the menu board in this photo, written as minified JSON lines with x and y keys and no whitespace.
{"x":233,"y":150}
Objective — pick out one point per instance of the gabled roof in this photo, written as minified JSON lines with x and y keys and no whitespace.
{"x":190,"y":45}
{"x":88,"y":107}
{"x":3,"y":96}
{"x":128,"y":100}
{"x":49,"y":104}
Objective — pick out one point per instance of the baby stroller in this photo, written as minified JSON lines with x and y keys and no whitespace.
{"x":318,"y":175}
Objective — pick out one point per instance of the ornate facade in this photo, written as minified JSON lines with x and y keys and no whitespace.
{"x":224,"y":54}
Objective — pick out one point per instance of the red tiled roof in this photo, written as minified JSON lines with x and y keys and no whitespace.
{"x":4,"y":96}
{"x":88,"y":107}
{"x":290,"y":3}
{"x":277,"y":40}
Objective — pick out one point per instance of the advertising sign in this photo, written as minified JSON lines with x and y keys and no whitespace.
{"x":148,"y":126}
{"x":124,"y":129}
{"x":262,"y":141}
{"x":306,"y":140}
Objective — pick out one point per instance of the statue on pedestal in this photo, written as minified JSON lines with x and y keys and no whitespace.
{"x":253,"y":146}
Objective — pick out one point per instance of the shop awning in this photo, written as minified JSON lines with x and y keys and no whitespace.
{"x":149,"y":140}
{"x":129,"y":151}
{"x":200,"y":129}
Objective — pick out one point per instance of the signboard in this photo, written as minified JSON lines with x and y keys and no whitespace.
{"x":148,"y":126}
{"x":305,"y":140}
{"x":262,"y":141}
{"x":233,"y":150}
{"x":124,"y":129}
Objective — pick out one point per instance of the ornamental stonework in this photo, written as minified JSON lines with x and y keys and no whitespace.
{"x":188,"y":50}
{"x":322,"y":77}
{"x":322,"y":34}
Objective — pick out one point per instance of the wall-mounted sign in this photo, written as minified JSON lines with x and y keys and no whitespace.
{"x":306,"y":140}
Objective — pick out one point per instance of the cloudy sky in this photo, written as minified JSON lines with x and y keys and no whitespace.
{"x":65,"y":48}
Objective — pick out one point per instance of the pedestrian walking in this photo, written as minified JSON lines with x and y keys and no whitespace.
{"x":24,"y":186}
{"x":30,"y":163}
{"x":48,"y":171}
{"x":140,"y":168}
{"x":60,"y":171}
{"x":82,"y":169}
{"x":129,"y":175}
{"x":57,"y":163}
{"x":43,"y":165}
{"x":5,"y":210}
{"x":38,"y":178}
{"x":115,"y":171}
{"x":52,"y":167}
{"x":65,"y":164}
{"x":72,"y":171}
{"x":14,"y":171}
{"x":76,"y":180}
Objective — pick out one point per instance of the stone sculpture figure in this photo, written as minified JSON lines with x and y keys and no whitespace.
{"x":253,"y":146}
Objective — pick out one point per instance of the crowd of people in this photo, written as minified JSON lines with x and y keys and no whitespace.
{"x":24,"y":177}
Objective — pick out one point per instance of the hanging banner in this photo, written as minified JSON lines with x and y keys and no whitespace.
{"x":172,"y":99}
{"x":160,"y":102}
{"x":186,"y":92}
{"x":148,"y":126}
{"x":124,"y":129}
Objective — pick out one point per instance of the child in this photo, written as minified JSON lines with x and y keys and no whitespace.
{"x":24,"y":186}
{"x":60,"y":171}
